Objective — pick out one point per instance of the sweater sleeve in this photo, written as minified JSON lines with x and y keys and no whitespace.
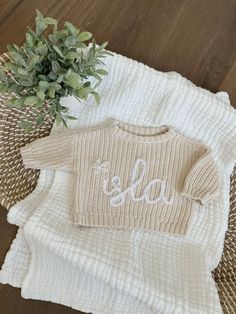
{"x":50,"y":152}
{"x":202,"y":182}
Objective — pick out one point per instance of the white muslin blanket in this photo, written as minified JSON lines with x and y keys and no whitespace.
{"x":104,"y":270}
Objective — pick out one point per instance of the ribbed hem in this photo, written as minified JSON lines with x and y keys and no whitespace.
{"x":199,"y":197}
{"x":27,"y":156}
{"x":129,"y":222}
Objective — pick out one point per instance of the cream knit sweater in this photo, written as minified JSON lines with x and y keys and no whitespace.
{"x":128,"y":176}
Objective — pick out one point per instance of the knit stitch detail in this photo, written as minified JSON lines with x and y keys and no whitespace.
{"x":129,"y":176}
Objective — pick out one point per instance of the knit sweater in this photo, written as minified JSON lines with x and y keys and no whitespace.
{"x":128,"y":176}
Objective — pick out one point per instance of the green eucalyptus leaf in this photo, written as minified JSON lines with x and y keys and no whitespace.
{"x":17,"y":48}
{"x":33,"y":59}
{"x":60,"y":78}
{"x":3,"y":77}
{"x":39,"y":15}
{"x":81,"y":45}
{"x":56,"y":86}
{"x":84,"y":36}
{"x":14,"y":89}
{"x":73,"y":55}
{"x":96,"y":97}
{"x":10,"y":102}
{"x":40,"y":23}
{"x":50,"y":21}
{"x":70,"y":41}
{"x":94,"y":74}
{"x":107,"y":53}
{"x":56,"y":67}
{"x":33,"y":34}
{"x":103,"y":46}
{"x":11,"y":67}
{"x":64,"y":122}
{"x":73,"y":79}
{"x":25,"y":82}
{"x":64,"y":109}
{"x":71,"y":118}
{"x":41,"y":49}
{"x":52,"y":38}
{"x":17,"y":58}
{"x":39,"y":104}
{"x":3,"y":88}
{"x":19,"y":103}
{"x":82,"y":93}
{"x":62,"y":34}
{"x":58,"y":119}
{"x":87,"y":84}
{"x":22,"y":72}
{"x":40,"y":28}
{"x":52,"y":75}
{"x":101,"y":71}
{"x":54,"y":28}
{"x":75,"y":67}
{"x":44,"y":85}
{"x":51,"y":92}
{"x":71,"y":28}
{"x":10,"y":48}
{"x":39,"y":68}
{"x":29,"y":40}
{"x":58,"y":51}
{"x":40,"y":119}
{"x":68,"y":73}
{"x":43,"y":77}
{"x":40,"y":94}
{"x":31,"y":100}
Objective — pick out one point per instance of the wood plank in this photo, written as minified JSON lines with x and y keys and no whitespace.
{"x":228,"y":83}
{"x":7,"y":7}
{"x":195,"y":38}
{"x":11,"y":302}
{"x":7,"y":234}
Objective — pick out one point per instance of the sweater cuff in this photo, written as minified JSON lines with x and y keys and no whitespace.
{"x":27,"y":156}
{"x":202,"y":197}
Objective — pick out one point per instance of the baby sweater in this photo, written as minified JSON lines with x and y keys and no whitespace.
{"x":129,"y":176}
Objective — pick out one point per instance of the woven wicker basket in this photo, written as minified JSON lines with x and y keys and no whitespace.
{"x":17,"y":182}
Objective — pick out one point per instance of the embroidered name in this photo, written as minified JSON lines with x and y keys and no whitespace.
{"x":118,"y":197}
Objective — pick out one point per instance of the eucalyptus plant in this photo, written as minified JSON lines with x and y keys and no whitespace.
{"x":50,"y":64}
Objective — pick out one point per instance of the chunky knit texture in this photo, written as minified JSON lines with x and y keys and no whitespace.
{"x":128,"y":176}
{"x":113,"y":271}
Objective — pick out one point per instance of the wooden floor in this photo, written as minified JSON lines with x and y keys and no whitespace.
{"x":195,"y":38}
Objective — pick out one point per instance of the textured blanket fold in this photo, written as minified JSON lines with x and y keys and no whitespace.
{"x":116,"y":271}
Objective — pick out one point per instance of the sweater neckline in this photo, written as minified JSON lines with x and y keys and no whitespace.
{"x":142,"y":134}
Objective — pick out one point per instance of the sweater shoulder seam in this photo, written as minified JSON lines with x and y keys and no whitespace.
{"x":91,"y":129}
{"x":195,"y":143}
